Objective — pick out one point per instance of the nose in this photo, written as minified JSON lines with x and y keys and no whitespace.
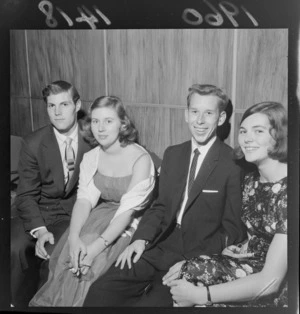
{"x":57,"y":110}
{"x":200,"y":118}
{"x":248,"y":138}
{"x":100,"y":127}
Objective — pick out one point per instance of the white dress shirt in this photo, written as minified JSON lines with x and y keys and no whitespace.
{"x":203,"y":151}
{"x":61,"y":140}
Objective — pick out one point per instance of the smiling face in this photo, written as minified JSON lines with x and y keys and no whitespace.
{"x":63,"y":112}
{"x":105,"y":125}
{"x":255,"y":139}
{"x":203,"y":117}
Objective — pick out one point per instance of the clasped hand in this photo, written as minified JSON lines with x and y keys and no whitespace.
{"x":81,"y":256}
{"x":237,"y":251}
{"x":179,"y":288}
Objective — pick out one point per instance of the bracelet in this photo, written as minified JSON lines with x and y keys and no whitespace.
{"x":105,"y":241}
{"x":209,"y":302}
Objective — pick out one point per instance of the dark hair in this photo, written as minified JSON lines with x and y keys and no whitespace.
{"x":277,"y":116}
{"x":58,"y":87}
{"x":211,"y":90}
{"x":128,"y":133}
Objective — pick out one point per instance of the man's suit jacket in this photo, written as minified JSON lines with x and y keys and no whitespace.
{"x":212,"y":216}
{"x":41,"y":194}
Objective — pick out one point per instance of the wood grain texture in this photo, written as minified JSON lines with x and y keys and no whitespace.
{"x":153,"y":125}
{"x":158,"y":66}
{"x":148,"y":69}
{"x":39,"y":113}
{"x":76,"y":56}
{"x":179,"y":128}
{"x":18,"y":65}
{"x":20,"y":117}
{"x":262,"y":66}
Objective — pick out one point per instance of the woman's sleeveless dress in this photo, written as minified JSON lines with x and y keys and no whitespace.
{"x":63,"y":288}
{"x":264,"y":212}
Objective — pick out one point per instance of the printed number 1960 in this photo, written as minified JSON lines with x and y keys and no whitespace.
{"x":216,"y":18}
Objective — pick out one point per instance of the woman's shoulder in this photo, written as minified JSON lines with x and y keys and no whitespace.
{"x":91,"y":153}
{"x":139,"y":156}
{"x":136,"y":151}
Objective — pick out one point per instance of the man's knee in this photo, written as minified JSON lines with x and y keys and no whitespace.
{"x":19,"y":243}
{"x":22,"y":244}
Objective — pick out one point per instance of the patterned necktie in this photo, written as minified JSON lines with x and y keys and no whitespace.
{"x":193,"y":170}
{"x":70,"y":158}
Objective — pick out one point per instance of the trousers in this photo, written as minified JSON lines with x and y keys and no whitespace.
{"x":27,"y":269}
{"x":140,"y":285}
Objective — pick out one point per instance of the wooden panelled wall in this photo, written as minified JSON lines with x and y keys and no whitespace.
{"x":150,"y":70}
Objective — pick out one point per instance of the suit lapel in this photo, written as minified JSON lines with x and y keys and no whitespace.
{"x":53,"y":159}
{"x":182,"y":172}
{"x":208,"y":165}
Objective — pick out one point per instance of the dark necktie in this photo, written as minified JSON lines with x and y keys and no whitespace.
{"x":70,"y":158}
{"x":193,"y":170}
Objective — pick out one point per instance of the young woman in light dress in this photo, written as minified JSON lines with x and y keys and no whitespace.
{"x":116,"y":182}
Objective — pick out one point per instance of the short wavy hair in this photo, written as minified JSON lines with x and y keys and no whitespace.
{"x":208,"y":90}
{"x":58,"y":87}
{"x":128,"y":133}
{"x":277,"y":115}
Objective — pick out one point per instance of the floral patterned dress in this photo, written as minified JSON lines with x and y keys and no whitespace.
{"x":264,"y":213}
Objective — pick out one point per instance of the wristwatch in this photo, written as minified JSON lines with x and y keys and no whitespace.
{"x":209,"y":302}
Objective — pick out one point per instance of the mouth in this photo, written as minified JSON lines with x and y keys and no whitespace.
{"x":102,"y":137}
{"x":250,"y":149}
{"x":200,"y":130}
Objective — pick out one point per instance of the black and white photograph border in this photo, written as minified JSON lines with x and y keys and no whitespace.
{"x":38,"y":17}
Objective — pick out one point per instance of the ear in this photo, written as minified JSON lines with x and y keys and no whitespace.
{"x":186,"y":115}
{"x":78,"y":105}
{"x":222,"y":118}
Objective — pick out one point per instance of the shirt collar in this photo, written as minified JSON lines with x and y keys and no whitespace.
{"x":61,"y":137}
{"x":203,"y":149}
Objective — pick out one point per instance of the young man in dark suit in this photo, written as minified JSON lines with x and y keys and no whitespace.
{"x":197,"y":211}
{"x":48,"y":171}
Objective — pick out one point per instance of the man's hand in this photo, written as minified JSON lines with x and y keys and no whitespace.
{"x":173,"y":273}
{"x":43,"y":236}
{"x":137,"y":247}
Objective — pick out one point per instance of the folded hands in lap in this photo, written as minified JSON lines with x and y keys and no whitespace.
{"x":81,"y":256}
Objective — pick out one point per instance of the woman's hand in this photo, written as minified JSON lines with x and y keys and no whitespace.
{"x":77,"y":249}
{"x":173,"y":273}
{"x":237,"y":251}
{"x":185,"y":293}
{"x":87,"y":261}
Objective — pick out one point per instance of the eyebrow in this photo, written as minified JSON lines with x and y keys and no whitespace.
{"x":255,"y":126}
{"x":63,"y":102}
{"x":192,"y":108}
{"x":259,"y":126}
